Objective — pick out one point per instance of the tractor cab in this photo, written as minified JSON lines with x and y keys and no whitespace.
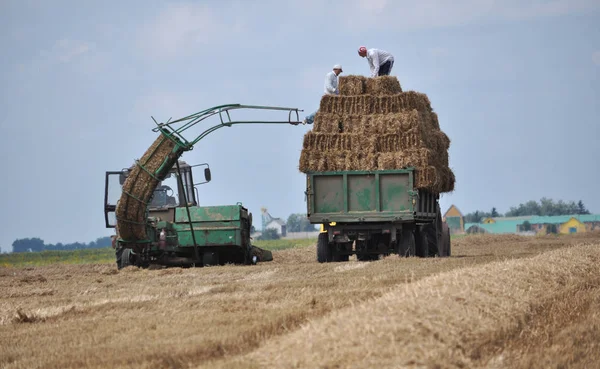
{"x":174,"y":191}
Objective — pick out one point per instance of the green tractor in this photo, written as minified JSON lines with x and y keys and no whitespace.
{"x":154,"y":205}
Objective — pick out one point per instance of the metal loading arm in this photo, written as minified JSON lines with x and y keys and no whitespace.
{"x":176,"y":128}
{"x":159,"y":159}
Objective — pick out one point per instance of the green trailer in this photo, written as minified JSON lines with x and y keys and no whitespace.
{"x":373,"y":213}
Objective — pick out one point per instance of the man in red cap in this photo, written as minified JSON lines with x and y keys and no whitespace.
{"x":380,"y":61}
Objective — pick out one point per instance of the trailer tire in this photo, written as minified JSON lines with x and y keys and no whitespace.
{"x":422,"y":242}
{"x":406,"y":245}
{"x":445,"y":244}
{"x":324,"y":252}
{"x":433,"y":242}
{"x":346,"y":247}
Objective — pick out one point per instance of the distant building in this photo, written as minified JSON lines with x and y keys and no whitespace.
{"x":497,"y":225}
{"x":566,"y":224}
{"x":279,"y":225}
{"x":270,"y":222}
{"x":455,"y":220}
{"x":563,"y":224}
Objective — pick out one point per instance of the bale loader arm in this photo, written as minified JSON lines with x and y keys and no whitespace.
{"x":131,"y":210}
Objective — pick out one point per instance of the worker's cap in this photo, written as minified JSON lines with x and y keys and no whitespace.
{"x":337,"y":66}
{"x":362,"y":50}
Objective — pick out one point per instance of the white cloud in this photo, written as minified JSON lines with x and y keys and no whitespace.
{"x":534,"y":9}
{"x":180,"y":28}
{"x":65,"y":51}
{"x":596,"y":58}
{"x":438,"y":51}
{"x":80,"y":56}
{"x":160,"y":105}
{"x":410,"y":15}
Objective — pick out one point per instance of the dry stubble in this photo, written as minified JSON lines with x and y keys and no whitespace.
{"x":91,"y":316}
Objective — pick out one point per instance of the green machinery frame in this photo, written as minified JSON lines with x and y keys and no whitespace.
{"x":174,"y":129}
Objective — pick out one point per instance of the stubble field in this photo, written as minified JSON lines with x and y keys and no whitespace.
{"x":498,"y":302}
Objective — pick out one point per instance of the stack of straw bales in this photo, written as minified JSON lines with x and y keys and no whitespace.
{"x":374,"y":125}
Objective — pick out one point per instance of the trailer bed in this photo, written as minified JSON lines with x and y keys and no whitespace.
{"x":367,"y":196}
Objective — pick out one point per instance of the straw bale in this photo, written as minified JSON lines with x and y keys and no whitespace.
{"x":332,"y":123}
{"x":315,"y":161}
{"x":131,"y":211}
{"x":317,"y":141}
{"x":351,"y":85}
{"x":383,"y":85}
{"x":369,"y":104}
{"x":431,"y":170}
{"x":437,"y":180}
{"x":434,"y":121}
{"x":373,"y":123}
{"x":418,"y":158}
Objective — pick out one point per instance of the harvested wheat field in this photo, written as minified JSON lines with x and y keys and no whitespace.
{"x":498,"y":302}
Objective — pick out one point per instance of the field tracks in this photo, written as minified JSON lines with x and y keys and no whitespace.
{"x":462,"y":318}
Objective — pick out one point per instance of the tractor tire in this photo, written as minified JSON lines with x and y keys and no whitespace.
{"x":118,"y":256}
{"x":126,"y":259}
{"x":324,"y":252}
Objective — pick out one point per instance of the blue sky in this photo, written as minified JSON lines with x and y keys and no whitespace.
{"x":515,"y":84}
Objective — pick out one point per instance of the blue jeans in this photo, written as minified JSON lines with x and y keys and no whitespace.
{"x":310,"y":119}
{"x":386,"y":68}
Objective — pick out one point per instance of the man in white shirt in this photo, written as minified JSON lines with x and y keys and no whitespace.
{"x":380,"y":61}
{"x":331,"y":88}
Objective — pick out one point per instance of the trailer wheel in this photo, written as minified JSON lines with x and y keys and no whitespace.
{"x":422,"y":242}
{"x":406,"y":245}
{"x":324,"y":252}
{"x":432,"y":242}
{"x":445,"y":246}
{"x":347,"y":247}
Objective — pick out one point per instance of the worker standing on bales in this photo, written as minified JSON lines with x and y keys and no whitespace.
{"x":331,"y":88}
{"x":380,"y":62}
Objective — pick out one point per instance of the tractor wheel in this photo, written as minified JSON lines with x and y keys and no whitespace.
{"x":324,"y":252}
{"x":118,"y":256}
{"x":127,"y":259}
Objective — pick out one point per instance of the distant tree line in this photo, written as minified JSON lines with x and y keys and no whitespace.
{"x":545,"y":207}
{"x":37,"y":244}
{"x":299,"y":223}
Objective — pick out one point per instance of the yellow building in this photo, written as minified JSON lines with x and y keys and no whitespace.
{"x":455,"y":220}
{"x":572,"y":226}
{"x":563,"y":224}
